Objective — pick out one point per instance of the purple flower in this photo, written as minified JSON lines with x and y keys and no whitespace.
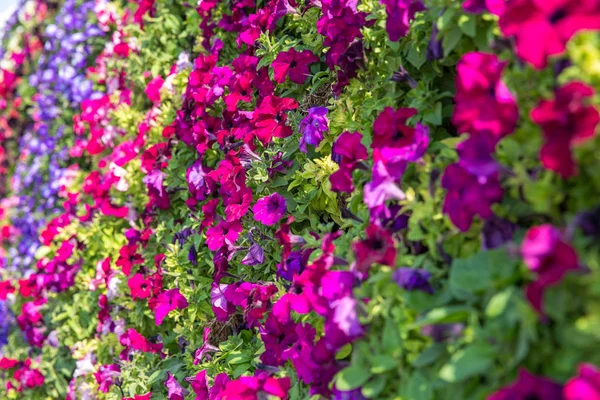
{"x":475,"y":155}
{"x":313,"y":126}
{"x":413,"y":279}
{"x":270,"y":209}
{"x":443,"y":332}
{"x":496,"y":232}
{"x":255,"y":256}
{"x":474,"y":6}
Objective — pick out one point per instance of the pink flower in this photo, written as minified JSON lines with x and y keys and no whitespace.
{"x":566,"y":121}
{"x":400,"y":14}
{"x":153,"y":89}
{"x":146,"y":396}
{"x":528,"y":386}
{"x":347,"y":151}
{"x":133,"y":340}
{"x":205,"y":348}
{"x":140,"y":287}
{"x":174,"y":390}
{"x":168,"y":301}
{"x":484,"y":105}
{"x":293,"y":64}
{"x":585,"y":386}
{"x":549,"y":257}
{"x":378,"y":248}
{"x":543,"y":28}
{"x":255,"y":387}
{"x":223,"y":234}
{"x":106,"y":375}
{"x":269,"y":210}
{"x":270,"y":117}
{"x":128,"y":257}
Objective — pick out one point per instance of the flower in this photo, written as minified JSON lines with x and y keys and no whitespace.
{"x":484,"y":105}
{"x":106,"y":375}
{"x":133,"y":340}
{"x":6,"y":288}
{"x":400,"y":14}
{"x":294,"y":64}
{"x":140,"y":287}
{"x":347,"y":151}
{"x":413,"y":279}
{"x":270,"y":117}
{"x":153,"y":89}
{"x":474,"y":6}
{"x":146,"y":396}
{"x":313,"y":126}
{"x":528,"y":386}
{"x":378,"y":247}
{"x":270,"y":209}
{"x":174,"y":390}
{"x":565,"y":121}
{"x":549,"y":257}
{"x":168,"y":301}
{"x":468,"y":195}
{"x":205,"y":348}
{"x":223,"y":234}
{"x":255,"y":387}
{"x":585,"y":386}
{"x":255,"y":256}
{"x":542,"y":28}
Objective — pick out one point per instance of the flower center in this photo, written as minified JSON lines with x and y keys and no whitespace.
{"x":557,"y":16}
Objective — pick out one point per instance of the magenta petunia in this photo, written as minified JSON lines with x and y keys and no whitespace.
{"x":542,"y":28}
{"x":378,"y":247}
{"x":347,"y":151}
{"x":153,"y":89}
{"x":140,"y":287}
{"x":547,"y":255}
{"x":224,"y":233}
{"x":474,"y":6}
{"x":586,"y":385}
{"x":484,"y":105}
{"x":168,"y":301}
{"x":528,"y":386}
{"x":567,"y":120}
{"x":294,"y":64}
{"x":400,"y":13}
{"x":269,"y":210}
{"x":174,"y":390}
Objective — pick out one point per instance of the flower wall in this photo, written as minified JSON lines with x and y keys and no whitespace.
{"x":300,"y":200}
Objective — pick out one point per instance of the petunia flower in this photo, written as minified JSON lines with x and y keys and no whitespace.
{"x":269,"y":119}
{"x":270,"y":209}
{"x":542,"y":28}
{"x":153,"y":89}
{"x":586,"y":385}
{"x":484,"y":105}
{"x":224,"y":233}
{"x":255,"y":255}
{"x":106,"y":376}
{"x":347,"y":151}
{"x":146,"y":396}
{"x":528,"y":386}
{"x":205,"y":348}
{"x":140,"y":287}
{"x":294,"y":64}
{"x":168,"y":301}
{"x":378,"y":247}
{"x":399,"y":15}
{"x":6,"y":288}
{"x":547,"y":255}
{"x":474,"y":6}
{"x":174,"y":390}
{"x":313,"y":126}
{"x":566,"y":121}
{"x":413,"y":279}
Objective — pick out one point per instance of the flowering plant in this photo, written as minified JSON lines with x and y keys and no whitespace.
{"x":302,"y":199}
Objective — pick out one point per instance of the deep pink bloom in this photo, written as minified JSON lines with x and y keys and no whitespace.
{"x":199,"y":385}
{"x":294,"y":64}
{"x":237,"y":204}
{"x":168,"y":301}
{"x":549,"y":257}
{"x":133,"y":340}
{"x":279,"y":339}
{"x":6,"y":288}
{"x":585,"y":386}
{"x":140,"y":287}
{"x":255,"y":387}
{"x":400,"y":14}
{"x":153,"y":89}
{"x":128,"y":257}
{"x":224,"y":233}
{"x":378,"y":247}
{"x":567,"y":120}
{"x":543,"y":28}
{"x":270,"y":117}
{"x":469,"y":195}
{"x":528,"y":386}
{"x":175,"y":390}
{"x":383,"y":185}
{"x":347,"y":151}
{"x":28,"y":377}
{"x":484,"y":105}
{"x":269,"y":210}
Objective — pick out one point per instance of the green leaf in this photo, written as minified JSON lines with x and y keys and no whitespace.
{"x":382,"y":363}
{"x":352,"y":377}
{"x":157,"y":376}
{"x":468,"y":362}
{"x":430,"y":355}
{"x":451,"y":39}
{"x":468,"y":25}
{"x":445,"y":314}
{"x":375,"y":386}
{"x":498,"y":303}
